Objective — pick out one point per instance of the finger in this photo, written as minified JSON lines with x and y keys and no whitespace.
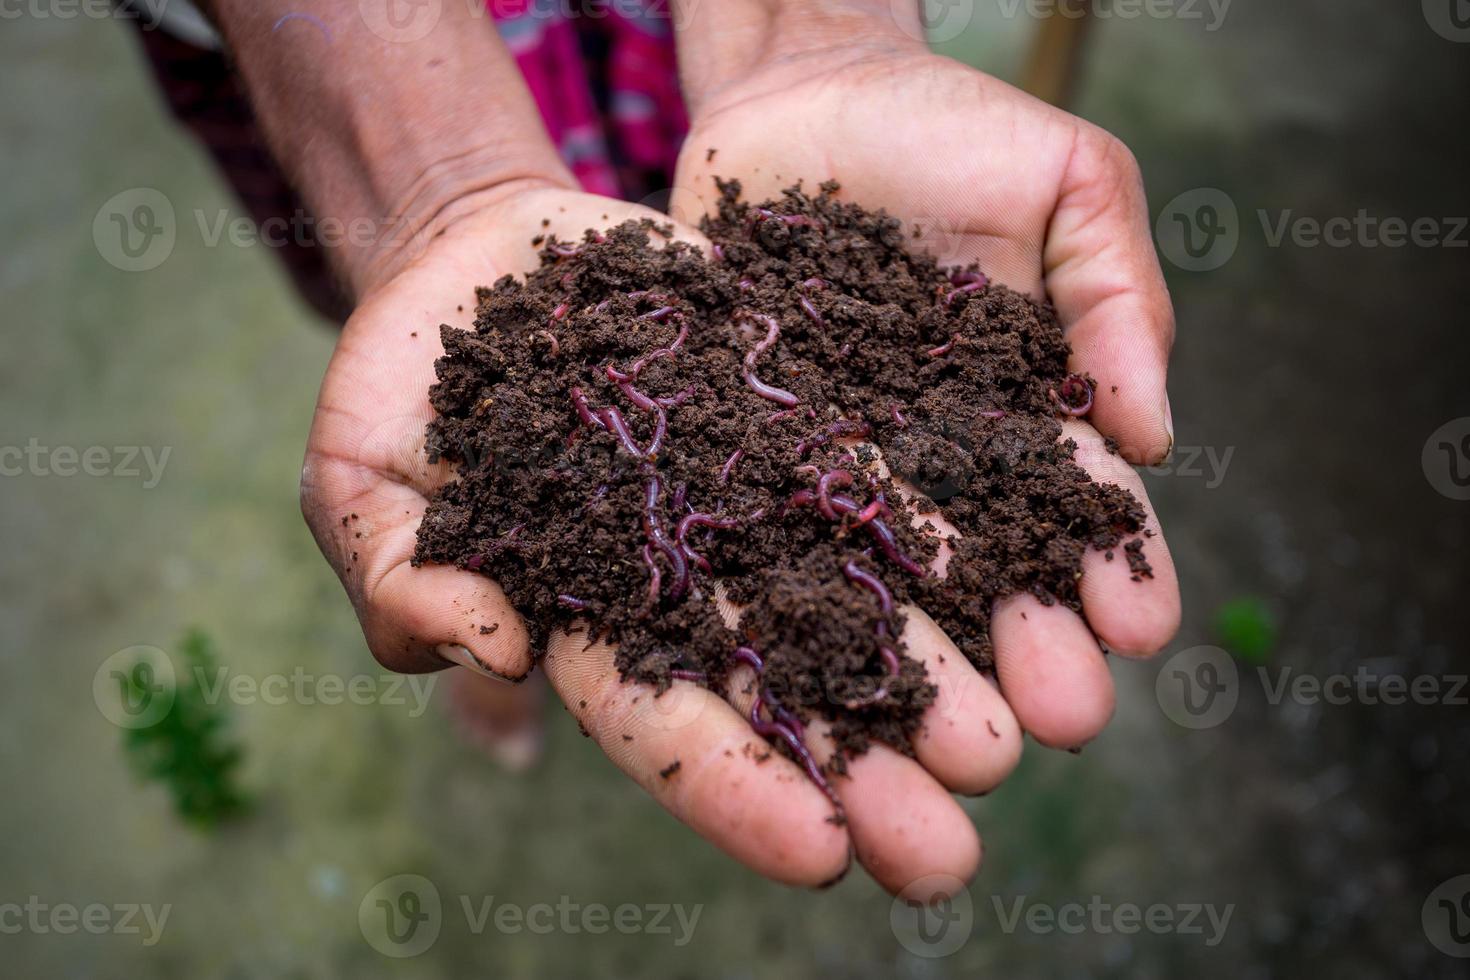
{"x":729,"y":786}
{"x":1103,"y":275}
{"x":970,"y":740}
{"x":904,"y":825}
{"x":1051,"y":671}
{"x":414,"y":619}
{"x":1134,"y":614}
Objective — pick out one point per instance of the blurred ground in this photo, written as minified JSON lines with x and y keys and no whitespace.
{"x":1323,"y":370}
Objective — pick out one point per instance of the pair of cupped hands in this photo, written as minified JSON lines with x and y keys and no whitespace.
{"x":1045,"y":203}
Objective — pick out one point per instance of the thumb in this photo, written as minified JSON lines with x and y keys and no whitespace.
{"x":1103,"y":275}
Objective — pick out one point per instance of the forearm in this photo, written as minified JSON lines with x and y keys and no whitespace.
{"x":408,"y":134}
{"x":721,"y":42}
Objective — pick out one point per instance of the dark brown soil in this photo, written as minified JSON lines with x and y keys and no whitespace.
{"x":956,"y":387}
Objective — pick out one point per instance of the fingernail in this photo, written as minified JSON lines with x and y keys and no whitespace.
{"x":1168,"y":426}
{"x":459,"y":654}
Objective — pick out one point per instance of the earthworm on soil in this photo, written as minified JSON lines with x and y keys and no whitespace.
{"x":1073,"y":396}
{"x":783,"y":725}
{"x":773,"y":333}
{"x":729,"y":467}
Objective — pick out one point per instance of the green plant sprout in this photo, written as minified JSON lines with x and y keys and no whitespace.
{"x":188,"y":749}
{"x":1247,"y":629}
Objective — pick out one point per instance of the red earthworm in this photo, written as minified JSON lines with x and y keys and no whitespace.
{"x":561,"y":310}
{"x":790,"y":413}
{"x":660,"y":314}
{"x":551,"y":338}
{"x":782,"y":715}
{"x":655,"y":575}
{"x":888,"y":543}
{"x":729,"y":467}
{"x":679,"y":674}
{"x":674,"y":401}
{"x":571,"y":602}
{"x":825,"y":483}
{"x":815,"y":283}
{"x":861,"y":576}
{"x":773,"y":333}
{"x":877,"y":507}
{"x":579,"y":401}
{"x":899,"y":419}
{"x":660,"y":430}
{"x":993,"y":413}
{"x":1075,"y":397}
{"x":877,"y":526}
{"x":703,"y":520}
{"x":653,"y":528}
{"x":943,"y":349}
{"x":793,"y":220}
{"x":767,"y":729}
{"x":750,"y":658}
{"x":838,"y":429}
{"x":811,"y":311}
{"x":783,"y":725}
{"x":968,"y":287}
{"x":614,"y":422}
{"x":719,"y":251}
{"x":746,"y":284}
{"x":695,"y":558}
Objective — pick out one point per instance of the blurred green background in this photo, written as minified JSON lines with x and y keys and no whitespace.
{"x":1322,"y":370}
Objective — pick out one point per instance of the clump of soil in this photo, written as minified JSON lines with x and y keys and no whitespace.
{"x":639,"y":429}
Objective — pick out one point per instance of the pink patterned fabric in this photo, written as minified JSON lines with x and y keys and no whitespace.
{"x":605,"y":78}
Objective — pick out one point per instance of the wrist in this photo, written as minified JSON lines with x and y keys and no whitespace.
{"x":390,"y":135}
{"x":410,"y":201}
{"x":721,"y":45}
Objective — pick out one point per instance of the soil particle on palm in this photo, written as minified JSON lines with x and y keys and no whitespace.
{"x":880,"y":358}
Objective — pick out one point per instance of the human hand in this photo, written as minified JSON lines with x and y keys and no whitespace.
{"x":1045,"y":203}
